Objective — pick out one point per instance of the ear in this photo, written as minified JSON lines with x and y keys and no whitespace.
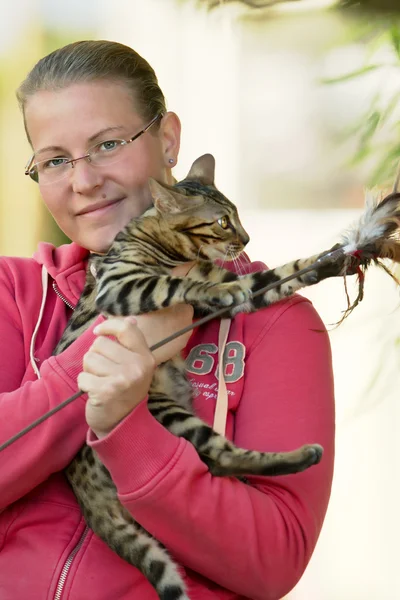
{"x":170,"y":134}
{"x":166,"y":199}
{"x":203,"y":169}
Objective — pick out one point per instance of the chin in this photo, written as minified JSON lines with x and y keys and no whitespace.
{"x":97,"y":245}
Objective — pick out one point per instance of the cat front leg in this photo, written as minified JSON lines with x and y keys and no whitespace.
{"x":242,"y":291}
{"x":144,"y":293}
{"x":255,"y":282}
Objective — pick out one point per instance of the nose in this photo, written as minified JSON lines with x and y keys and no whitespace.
{"x":244,"y":237}
{"x":85,"y":177}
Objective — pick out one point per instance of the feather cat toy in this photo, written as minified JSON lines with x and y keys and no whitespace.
{"x":374,"y":237}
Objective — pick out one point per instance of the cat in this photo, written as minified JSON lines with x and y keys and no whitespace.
{"x":190,"y":221}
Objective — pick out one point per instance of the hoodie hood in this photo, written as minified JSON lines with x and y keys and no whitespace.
{"x":66,"y":264}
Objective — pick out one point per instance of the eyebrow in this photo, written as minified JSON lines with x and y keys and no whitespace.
{"x":91,"y":139}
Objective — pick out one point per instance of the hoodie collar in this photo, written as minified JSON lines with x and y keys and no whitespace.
{"x":66,"y":264}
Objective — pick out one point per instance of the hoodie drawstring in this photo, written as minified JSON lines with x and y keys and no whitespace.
{"x":221,"y":407}
{"x":45,"y":283}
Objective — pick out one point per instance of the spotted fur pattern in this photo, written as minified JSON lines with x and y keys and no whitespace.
{"x":190,"y":221}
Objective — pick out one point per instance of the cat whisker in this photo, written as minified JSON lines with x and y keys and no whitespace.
{"x":198,"y":251}
{"x":221,"y":268}
{"x":243,"y":261}
{"x":234,"y":253}
{"x":237,"y":263}
{"x":232,"y":256}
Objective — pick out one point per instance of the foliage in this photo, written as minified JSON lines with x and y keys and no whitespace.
{"x":380,"y":6}
{"x":378,"y":140}
{"x":251,"y":4}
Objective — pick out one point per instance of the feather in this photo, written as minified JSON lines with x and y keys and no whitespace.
{"x":376,"y":234}
{"x":370,"y":240}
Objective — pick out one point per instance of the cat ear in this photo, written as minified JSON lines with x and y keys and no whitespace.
{"x":166,"y":199}
{"x":203,"y":169}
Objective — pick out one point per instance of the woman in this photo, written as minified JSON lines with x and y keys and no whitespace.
{"x":232,"y":540}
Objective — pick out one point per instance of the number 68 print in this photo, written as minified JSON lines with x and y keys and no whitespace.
{"x":202,"y":359}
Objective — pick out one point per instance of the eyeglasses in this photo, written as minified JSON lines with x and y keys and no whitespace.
{"x":101,"y":154}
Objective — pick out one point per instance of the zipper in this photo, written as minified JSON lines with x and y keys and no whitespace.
{"x":68,"y":563}
{"x":75,"y":550}
{"x":63,"y":298}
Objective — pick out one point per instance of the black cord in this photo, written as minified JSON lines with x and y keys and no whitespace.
{"x":330,"y":256}
{"x":51,"y":412}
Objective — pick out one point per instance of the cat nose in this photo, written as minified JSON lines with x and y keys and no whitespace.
{"x":244,"y":238}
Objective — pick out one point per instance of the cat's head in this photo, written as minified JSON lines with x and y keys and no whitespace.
{"x":198,"y":215}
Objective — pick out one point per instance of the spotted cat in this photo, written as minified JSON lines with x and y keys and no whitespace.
{"x":191,"y":221}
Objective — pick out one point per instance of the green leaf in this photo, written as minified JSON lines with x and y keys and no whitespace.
{"x":386,"y":169}
{"x":370,"y":127}
{"x":360,"y":155}
{"x":352,"y":75}
{"x":395,"y":39}
{"x":392,"y":104}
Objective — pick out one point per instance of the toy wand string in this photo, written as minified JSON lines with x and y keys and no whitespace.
{"x":375,"y":236}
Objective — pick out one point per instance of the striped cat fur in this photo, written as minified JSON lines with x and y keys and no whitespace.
{"x":191,"y":221}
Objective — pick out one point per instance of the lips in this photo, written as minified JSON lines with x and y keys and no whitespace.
{"x":97,"y":206}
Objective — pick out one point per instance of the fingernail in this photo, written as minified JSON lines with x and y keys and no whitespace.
{"x":132,"y":320}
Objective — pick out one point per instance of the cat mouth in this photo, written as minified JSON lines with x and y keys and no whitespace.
{"x":235,"y":251}
{"x":232,"y":252}
{"x":224,"y":253}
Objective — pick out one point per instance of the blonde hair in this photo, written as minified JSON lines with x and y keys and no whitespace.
{"x":94,"y":60}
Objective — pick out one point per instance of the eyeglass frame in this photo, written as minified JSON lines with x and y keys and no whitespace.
{"x":35,"y":177}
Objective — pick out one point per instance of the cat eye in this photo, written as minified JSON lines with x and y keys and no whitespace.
{"x":224,"y":222}
{"x":101,"y":154}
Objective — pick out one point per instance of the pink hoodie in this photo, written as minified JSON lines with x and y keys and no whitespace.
{"x":232,"y":540}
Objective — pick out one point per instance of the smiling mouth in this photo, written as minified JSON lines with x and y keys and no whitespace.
{"x":99,"y":207}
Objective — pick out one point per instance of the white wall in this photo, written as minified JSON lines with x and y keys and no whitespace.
{"x":357,"y":554}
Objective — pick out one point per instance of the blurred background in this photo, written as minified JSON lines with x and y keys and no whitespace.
{"x":298,"y":102}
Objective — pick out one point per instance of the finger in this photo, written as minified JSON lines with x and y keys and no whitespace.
{"x":89,"y":383}
{"x":101,"y":390}
{"x":111,"y":349}
{"x":126,"y":331}
{"x":100,"y":365}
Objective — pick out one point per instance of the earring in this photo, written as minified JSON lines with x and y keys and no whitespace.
{"x":171,"y":161}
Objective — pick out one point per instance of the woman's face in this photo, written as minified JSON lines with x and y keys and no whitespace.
{"x":92,"y":203}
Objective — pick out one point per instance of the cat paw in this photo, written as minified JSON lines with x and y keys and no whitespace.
{"x":227,"y":294}
{"x":310,"y":278}
{"x":312,"y":454}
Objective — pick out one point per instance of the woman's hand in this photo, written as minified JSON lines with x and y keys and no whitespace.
{"x":116,"y":373}
{"x":160,"y":324}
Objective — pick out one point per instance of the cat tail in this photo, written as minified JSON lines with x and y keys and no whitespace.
{"x":135,"y":545}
